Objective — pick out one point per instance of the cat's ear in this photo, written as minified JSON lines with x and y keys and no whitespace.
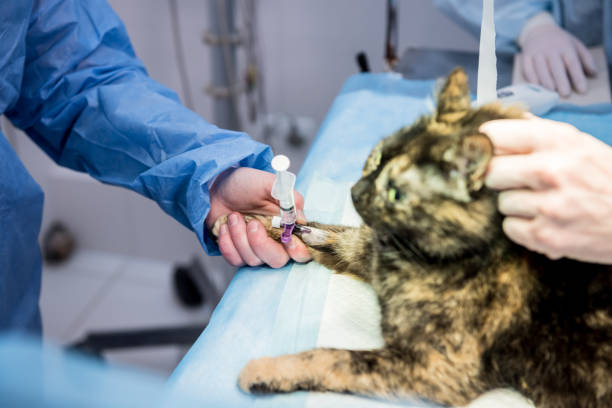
{"x":477,"y":151}
{"x":454,"y":98}
{"x":374,"y":159}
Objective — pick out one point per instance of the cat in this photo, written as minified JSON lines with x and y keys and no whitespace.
{"x":463,"y":309}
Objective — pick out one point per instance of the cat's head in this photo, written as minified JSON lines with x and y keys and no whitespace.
{"x":422,"y":188}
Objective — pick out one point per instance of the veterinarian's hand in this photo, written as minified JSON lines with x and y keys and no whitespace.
{"x":248,"y":190}
{"x":557,"y":184}
{"x":553,"y":57}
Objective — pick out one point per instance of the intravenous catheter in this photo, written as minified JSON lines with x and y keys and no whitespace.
{"x":282,"y":190}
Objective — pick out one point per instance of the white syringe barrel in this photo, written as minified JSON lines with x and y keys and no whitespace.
{"x":282,"y":189}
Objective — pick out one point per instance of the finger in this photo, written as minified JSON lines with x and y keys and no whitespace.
{"x":529,"y":70}
{"x":518,"y":171}
{"x":227,"y":248}
{"x":519,"y":231}
{"x":299,"y":205}
{"x":519,"y":203}
{"x":559,"y":74}
{"x":237,"y":230}
{"x":512,"y":136}
{"x":297,"y":250}
{"x":264,"y":247}
{"x":301,"y":218}
{"x":522,"y":231}
{"x":576,"y":73}
{"x":588,"y":62}
{"x":543,"y":71}
{"x":299,"y":200}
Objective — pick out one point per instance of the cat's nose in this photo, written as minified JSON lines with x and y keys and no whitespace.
{"x":360,"y":194}
{"x":357,"y":191}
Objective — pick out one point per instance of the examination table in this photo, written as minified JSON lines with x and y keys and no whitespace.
{"x":267,"y":312}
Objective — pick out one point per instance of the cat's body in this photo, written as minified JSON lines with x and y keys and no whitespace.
{"x":464,"y":310}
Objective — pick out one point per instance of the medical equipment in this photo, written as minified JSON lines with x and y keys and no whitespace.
{"x":391,"y":42}
{"x":282,"y":190}
{"x":487,"y":62}
{"x":537,"y":99}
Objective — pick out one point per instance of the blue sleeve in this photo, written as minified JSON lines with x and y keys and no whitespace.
{"x":510,"y":17}
{"x":88,"y":102}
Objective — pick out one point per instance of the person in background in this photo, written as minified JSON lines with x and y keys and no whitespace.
{"x":70,"y":79}
{"x":552,"y":35}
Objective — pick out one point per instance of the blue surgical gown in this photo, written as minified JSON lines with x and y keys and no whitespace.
{"x":589,"y":20}
{"x":70,"y":79}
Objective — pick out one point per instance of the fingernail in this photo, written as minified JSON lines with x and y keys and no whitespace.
{"x":252,"y":226}
{"x":291,"y":244}
{"x":233,"y":219}
{"x":223,"y":229}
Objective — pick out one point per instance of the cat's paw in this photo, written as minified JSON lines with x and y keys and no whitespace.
{"x":258,"y":377}
{"x":217,"y":225}
{"x":264,"y":219}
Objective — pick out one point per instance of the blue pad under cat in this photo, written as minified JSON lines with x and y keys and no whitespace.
{"x":269,"y":312}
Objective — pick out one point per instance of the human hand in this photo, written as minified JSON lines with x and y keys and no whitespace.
{"x":554,"y":58}
{"x":557,"y":184}
{"x":248,"y":190}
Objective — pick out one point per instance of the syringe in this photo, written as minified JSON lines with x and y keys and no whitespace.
{"x":282,"y":190}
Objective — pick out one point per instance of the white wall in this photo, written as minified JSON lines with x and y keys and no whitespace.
{"x":308,"y":46}
{"x":308,"y":49}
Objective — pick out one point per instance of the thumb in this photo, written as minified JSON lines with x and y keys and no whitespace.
{"x":299,"y":206}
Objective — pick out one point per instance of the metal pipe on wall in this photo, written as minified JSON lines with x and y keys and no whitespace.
{"x":223,"y":40}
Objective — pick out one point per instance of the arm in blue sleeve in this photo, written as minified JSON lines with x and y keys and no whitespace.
{"x":88,"y":102}
{"x":510,"y":17}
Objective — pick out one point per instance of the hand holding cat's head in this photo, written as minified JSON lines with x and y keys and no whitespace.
{"x":426,"y":181}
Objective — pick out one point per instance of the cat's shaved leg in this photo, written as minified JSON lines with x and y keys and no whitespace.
{"x":336,"y":247}
{"x":317,"y":234}
{"x":379,"y":372}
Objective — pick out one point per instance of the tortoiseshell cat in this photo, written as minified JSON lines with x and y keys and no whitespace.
{"x":464,"y":310}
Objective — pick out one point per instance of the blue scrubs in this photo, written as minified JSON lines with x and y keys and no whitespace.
{"x":69,"y":78}
{"x":589,"y":20}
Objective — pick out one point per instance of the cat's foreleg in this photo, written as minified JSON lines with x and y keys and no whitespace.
{"x":381,"y":372}
{"x":339,"y":248}
{"x":362,"y":372}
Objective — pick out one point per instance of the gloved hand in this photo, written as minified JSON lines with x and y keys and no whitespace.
{"x":554,"y":58}
{"x":248,"y":190}
{"x":557,"y":184}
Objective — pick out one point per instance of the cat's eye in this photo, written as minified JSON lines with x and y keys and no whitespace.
{"x":393,"y":194}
